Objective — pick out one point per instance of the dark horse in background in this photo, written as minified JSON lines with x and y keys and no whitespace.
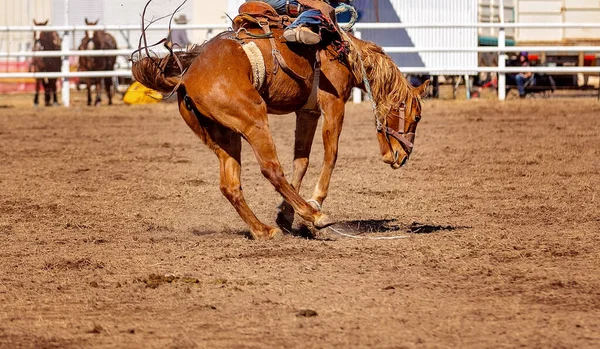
{"x":45,"y":41}
{"x":97,"y":40}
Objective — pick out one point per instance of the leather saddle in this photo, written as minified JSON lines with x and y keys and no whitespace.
{"x":256,"y":14}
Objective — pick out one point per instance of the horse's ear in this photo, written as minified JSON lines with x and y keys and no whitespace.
{"x":40,"y":23}
{"x":86,"y":21}
{"x":423,"y":88}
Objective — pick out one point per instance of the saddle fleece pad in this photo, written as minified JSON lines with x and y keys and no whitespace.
{"x":259,"y":71}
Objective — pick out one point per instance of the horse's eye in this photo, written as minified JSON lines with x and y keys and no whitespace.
{"x":418,"y":118}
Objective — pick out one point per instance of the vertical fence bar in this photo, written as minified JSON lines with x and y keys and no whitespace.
{"x":66,"y":88}
{"x":501,"y":55}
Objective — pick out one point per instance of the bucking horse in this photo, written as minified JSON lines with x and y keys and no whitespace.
{"x":228,"y":85}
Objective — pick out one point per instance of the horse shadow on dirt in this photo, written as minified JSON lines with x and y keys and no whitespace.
{"x":366,"y":227}
{"x":358,"y":228}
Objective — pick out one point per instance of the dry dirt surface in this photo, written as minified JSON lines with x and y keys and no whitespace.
{"x":113,"y":233}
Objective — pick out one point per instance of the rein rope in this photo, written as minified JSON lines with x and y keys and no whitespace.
{"x":395,"y":237}
{"x":347,"y":8}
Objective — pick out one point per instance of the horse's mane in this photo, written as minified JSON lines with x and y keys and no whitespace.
{"x":388,"y":85}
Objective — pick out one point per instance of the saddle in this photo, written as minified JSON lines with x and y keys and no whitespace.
{"x":256,"y":14}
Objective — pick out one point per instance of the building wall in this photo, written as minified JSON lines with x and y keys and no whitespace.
{"x":424,"y":11}
{"x":21,"y":13}
{"x":558,"y":11}
{"x":489,"y":12}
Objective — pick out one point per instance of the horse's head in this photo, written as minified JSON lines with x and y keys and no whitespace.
{"x":45,"y":40}
{"x":396,"y":135}
{"x":90,"y":33}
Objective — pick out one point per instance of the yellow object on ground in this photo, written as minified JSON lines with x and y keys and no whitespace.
{"x":140,"y":94}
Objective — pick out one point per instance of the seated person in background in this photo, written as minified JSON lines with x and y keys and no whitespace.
{"x":312,"y":16}
{"x":521,"y":78}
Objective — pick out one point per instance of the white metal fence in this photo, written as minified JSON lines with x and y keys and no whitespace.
{"x":501,"y":70}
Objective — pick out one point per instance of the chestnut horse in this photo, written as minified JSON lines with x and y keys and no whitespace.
{"x":220,"y":100}
{"x":46,"y":41}
{"x":97,"y":40}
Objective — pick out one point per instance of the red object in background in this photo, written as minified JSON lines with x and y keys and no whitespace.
{"x":25,"y":85}
{"x":16,"y":85}
{"x":589,"y":60}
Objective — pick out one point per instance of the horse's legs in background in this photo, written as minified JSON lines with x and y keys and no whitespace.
{"x":36,"y":97}
{"x":227,"y":145}
{"x":107,"y":85}
{"x":98,"y":91}
{"x":54,"y":88}
{"x":47,"y":92}
{"x":88,"y":87}
{"x":306,"y":125}
{"x":333,"y":118}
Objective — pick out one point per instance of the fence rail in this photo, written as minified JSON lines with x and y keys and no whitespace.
{"x":65,"y":53}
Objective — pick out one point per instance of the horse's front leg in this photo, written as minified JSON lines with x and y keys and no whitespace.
{"x":107,"y":85}
{"x":88,"y":87}
{"x":306,"y":125}
{"x":55,"y":92}
{"x":36,"y":97}
{"x":47,"y":92}
{"x":98,"y":92}
{"x":333,"y":118}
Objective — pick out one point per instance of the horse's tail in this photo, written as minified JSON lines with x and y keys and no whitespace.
{"x":164,"y":74}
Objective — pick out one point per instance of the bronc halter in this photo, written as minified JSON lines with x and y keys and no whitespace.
{"x":406,"y":139}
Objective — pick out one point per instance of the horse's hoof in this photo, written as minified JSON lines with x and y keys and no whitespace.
{"x":284,"y":222}
{"x":285,"y":216}
{"x":275,"y":234}
{"x":272,"y":233}
{"x":323,"y":221}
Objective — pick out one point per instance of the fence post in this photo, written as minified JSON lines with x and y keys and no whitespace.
{"x":501,"y":55}
{"x":65,"y":68}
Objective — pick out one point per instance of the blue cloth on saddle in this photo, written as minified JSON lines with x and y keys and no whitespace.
{"x":279,"y":5}
{"x":308,"y":17}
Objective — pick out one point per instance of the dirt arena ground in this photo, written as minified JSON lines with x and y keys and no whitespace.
{"x":113,"y":233}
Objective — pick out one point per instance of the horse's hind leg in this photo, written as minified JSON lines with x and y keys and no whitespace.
{"x":227,"y":146}
{"x":306,"y":125}
{"x":229,"y":154}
